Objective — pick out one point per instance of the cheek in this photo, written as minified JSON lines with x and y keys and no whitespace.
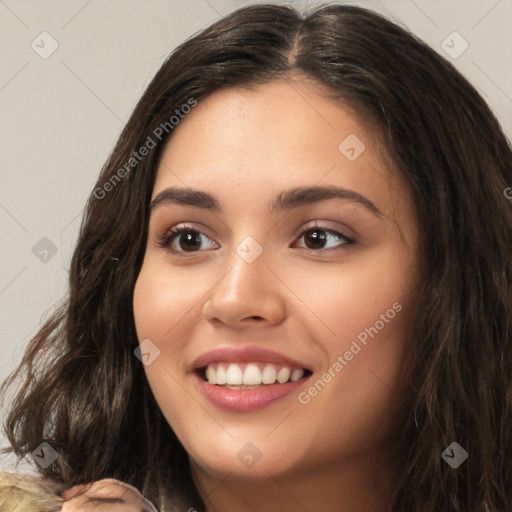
{"x":161,"y":300}
{"x":343,"y":303}
{"x":367,"y":327}
{"x":158,"y":307}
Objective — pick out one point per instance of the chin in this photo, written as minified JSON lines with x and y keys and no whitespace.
{"x":241,"y":457}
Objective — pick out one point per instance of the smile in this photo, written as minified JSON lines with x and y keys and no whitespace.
{"x":243,"y":379}
{"x":242,"y":376}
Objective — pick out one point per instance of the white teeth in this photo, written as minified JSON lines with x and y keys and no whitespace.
{"x":221,"y":375}
{"x":254,"y":374}
{"x":268,"y":375}
{"x":234,"y":375}
{"x":211,"y":375}
{"x":283,"y":375}
{"x":296,"y":375}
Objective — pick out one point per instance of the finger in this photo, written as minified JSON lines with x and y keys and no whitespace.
{"x":75,"y":491}
{"x":95,"y":505}
{"x":78,"y":504}
{"x":109,"y":492}
{"x":91,"y":504}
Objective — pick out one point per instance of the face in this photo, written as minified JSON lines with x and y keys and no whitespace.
{"x":280,"y":312}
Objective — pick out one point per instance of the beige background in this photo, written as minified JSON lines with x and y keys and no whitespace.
{"x":61,"y":115}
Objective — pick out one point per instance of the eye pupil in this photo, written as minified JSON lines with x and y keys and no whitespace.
{"x":316,"y":236}
{"x":191,"y":239}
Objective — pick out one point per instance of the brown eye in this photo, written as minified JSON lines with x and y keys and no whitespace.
{"x":316,"y":238}
{"x":183,"y":239}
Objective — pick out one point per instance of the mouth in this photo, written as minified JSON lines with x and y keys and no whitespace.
{"x":251,"y":375}
{"x":244,"y":379}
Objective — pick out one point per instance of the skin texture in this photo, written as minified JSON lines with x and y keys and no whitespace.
{"x":245,"y":146}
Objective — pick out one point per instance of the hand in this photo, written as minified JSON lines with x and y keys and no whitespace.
{"x":106,"y":495}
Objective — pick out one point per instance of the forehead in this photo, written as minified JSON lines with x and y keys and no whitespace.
{"x":278,"y":135}
{"x":286,"y":116}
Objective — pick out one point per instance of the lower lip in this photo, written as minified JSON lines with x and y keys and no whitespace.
{"x":246,"y":400}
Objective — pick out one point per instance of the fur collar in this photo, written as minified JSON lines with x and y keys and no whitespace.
{"x":27,"y":493}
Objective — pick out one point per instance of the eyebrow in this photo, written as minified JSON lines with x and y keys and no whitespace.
{"x":285,"y":200}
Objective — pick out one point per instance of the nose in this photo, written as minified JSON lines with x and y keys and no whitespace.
{"x":248,"y":293}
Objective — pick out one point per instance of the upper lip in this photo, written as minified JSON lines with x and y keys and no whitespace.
{"x":246,"y":355}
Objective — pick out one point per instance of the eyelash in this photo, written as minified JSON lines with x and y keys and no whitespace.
{"x":173,"y":233}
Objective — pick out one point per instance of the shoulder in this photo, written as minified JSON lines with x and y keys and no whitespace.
{"x":21,"y":493}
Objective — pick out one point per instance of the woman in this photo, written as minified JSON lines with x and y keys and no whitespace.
{"x":211,"y":356}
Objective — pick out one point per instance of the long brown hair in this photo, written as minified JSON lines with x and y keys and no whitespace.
{"x":85,"y":393}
